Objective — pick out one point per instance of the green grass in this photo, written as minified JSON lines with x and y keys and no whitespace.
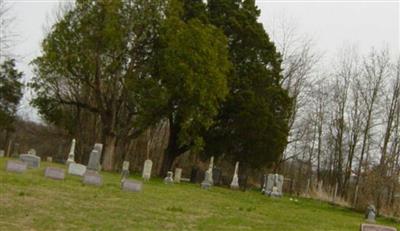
{"x":29,"y":201}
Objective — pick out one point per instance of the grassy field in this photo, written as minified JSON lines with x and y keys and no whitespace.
{"x":29,"y":201}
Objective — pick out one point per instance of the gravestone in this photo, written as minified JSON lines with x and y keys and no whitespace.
{"x":16,"y":166}
{"x":146,"y":174}
{"x":49,"y":159}
{"x":370,"y":214}
{"x":92,"y":178}
{"x":125,"y":170}
{"x":373,"y":227}
{"x":71,"y":155}
{"x":169,"y":178}
{"x":33,"y":161}
{"x":132,"y":186}
{"x":94,"y":160}
{"x":208,"y":177}
{"x":54,"y":173}
{"x":32,"y":152}
{"x":76,"y":169}
{"x":273,"y":186}
{"x":2,"y":153}
{"x":178,"y":175}
{"x":235,"y":178}
{"x":98,"y":147}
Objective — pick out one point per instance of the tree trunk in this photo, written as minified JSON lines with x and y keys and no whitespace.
{"x":109,"y":152}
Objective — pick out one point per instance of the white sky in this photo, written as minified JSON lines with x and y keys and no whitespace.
{"x":331,"y":24}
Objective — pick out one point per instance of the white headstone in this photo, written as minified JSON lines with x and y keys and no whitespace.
{"x":32,"y":152}
{"x":49,"y":159}
{"x":208,"y":177}
{"x":146,"y":174}
{"x":178,"y":175}
{"x":71,"y":155}
{"x":169,"y":178}
{"x":2,"y":153}
{"x":235,"y":179}
{"x":76,"y":169}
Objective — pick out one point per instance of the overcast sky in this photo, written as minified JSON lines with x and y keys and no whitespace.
{"x":331,"y":24}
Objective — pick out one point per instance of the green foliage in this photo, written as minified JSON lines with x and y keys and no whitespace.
{"x":252,"y":126}
{"x":192,"y":64}
{"x":10,"y":92}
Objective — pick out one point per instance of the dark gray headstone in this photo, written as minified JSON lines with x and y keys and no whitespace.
{"x":54,"y":173}
{"x":371,"y":227}
{"x":92,"y":178}
{"x":132,"y":186}
{"x":94,"y":160}
{"x":16,"y":166}
{"x":33,"y":161}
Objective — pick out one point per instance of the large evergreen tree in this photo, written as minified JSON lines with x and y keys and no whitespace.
{"x":252,"y":126}
{"x":192,"y":65}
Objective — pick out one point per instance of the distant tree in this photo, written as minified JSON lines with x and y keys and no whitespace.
{"x":192,"y":66}
{"x":252,"y":126}
{"x":10,"y":96}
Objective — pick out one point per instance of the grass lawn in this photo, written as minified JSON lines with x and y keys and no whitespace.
{"x":29,"y":201}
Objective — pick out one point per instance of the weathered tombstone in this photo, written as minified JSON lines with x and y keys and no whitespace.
{"x":76,"y":169}
{"x":372,"y":227}
{"x":178,"y":175}
{"x":2,"y":153}
{"x":71,"y":155}
{"x":146,"y":174}
{"x":169,"y":178}
{"x":92,"y":178}
{"x":98,"y":147}
{"x":16,"y":166}
{"x":370,"y":214}
{"x":273,"y":186}
{"x":132,"y":186}
{"x":125,"y":170}
{"x":94,"y":161}
{"x":49,"y":159}
{"x":33,"y":161}
{"x":235,"y":178}
{"x":208,"y":177}
{"x":54,"y":173}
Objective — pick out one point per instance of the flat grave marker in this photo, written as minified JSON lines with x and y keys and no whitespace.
{"x":132,"y":186}
{"x":92,"y":178}
{"x":372,"y":227}
{"x":16,"y":166}
{"x":76,"y":169}
{"x":54,"y":173}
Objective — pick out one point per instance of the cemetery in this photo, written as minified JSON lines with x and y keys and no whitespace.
{"x":199,"y":115}
{"x":41,"y":196}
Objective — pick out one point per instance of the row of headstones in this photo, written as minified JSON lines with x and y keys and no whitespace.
{"x":272,"y":183}
{"x":90,"y":173}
